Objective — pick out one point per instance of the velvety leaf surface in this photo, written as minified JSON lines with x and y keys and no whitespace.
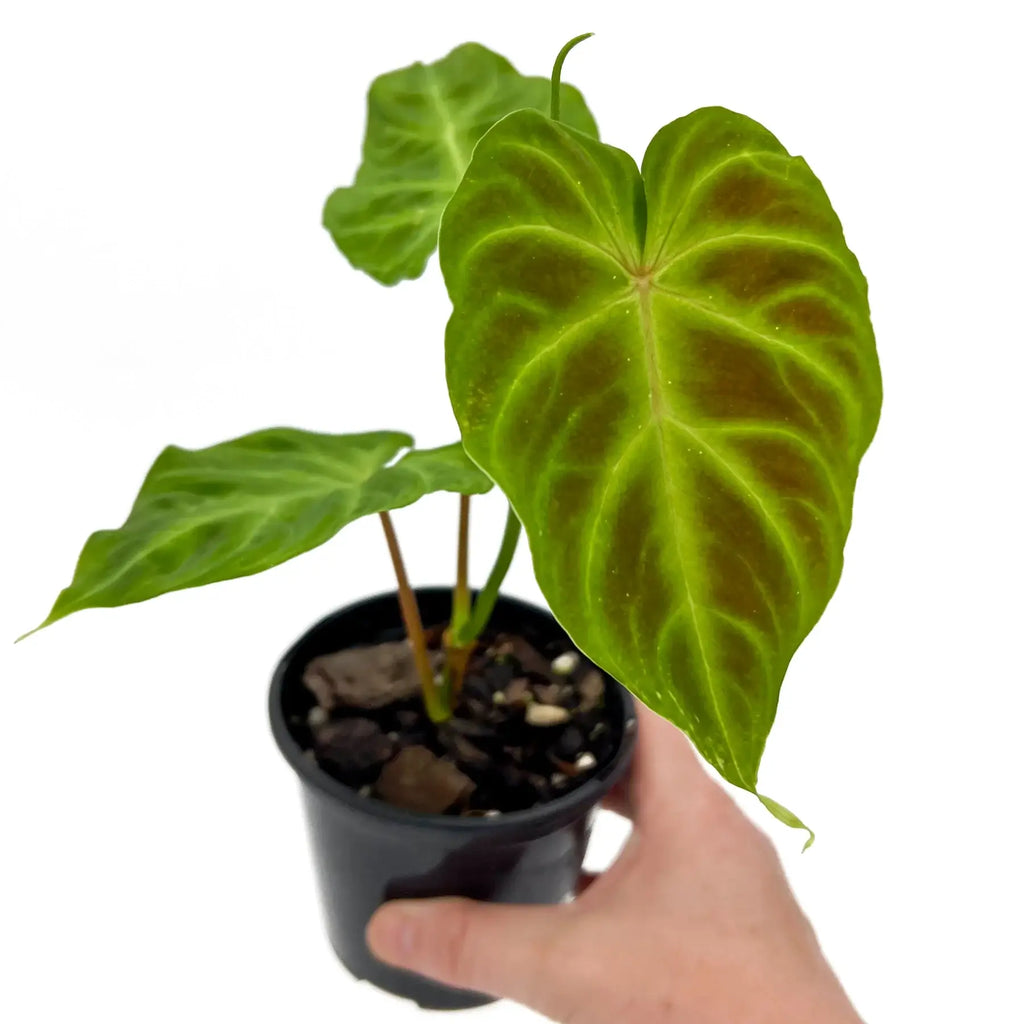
{"x":673,"y":377}
{"x":242,"y":506}
{"x":422,"y":123}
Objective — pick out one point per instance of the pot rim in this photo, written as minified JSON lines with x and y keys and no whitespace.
{"x":589,"y":794}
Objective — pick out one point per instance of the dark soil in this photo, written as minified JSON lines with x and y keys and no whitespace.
{"x":530,"y":726}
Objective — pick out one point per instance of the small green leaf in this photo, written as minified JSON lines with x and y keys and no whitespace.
{"x":422,"y":123}
{"x":245,"y":505}
{"x":672,"y":375}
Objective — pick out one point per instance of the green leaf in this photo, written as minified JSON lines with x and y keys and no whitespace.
{"x":422,"y":123}
{"x":245,"y":505}
{"x":672,"y":375}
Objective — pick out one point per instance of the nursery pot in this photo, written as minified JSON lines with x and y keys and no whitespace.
{"x":366,"y":852}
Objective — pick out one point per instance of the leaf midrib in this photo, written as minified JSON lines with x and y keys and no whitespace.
{"x":662,"y":415}
{"x":658,"y":418}
{"x":459,"y":160}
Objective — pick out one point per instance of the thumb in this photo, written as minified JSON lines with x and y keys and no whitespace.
{"x":499,"y":949}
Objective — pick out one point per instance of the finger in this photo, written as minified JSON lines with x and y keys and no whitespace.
{"x":617,"y":800}
{"x":500,"y":949}
{"x":666,"y":769}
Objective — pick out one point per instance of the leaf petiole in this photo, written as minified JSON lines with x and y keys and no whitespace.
{"x":556,"y":74}
{"x":461,"y":602}
{"x":487,"y":597}
{"x":456,"y":655}
{"x":435,"y":698}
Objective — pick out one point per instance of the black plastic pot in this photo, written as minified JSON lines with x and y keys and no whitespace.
{"x":367,"y":852}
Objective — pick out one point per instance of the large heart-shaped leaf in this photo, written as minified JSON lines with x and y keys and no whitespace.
{"x":422,"y":123}
{"x":242,"y":506}
{"x":673,"y":377}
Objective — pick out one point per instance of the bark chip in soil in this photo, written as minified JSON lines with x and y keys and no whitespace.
{"x":419,"y":781}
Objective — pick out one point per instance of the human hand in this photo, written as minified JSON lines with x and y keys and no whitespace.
{"x":693,"y":924}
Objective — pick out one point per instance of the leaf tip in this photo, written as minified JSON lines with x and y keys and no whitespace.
{"x":25,"y":636}
{"x":787,"y":817}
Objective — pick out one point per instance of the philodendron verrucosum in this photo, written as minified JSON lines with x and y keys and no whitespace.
{"x":669,"y":370}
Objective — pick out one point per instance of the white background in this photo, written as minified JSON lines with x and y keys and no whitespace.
{"x":164,"y":278}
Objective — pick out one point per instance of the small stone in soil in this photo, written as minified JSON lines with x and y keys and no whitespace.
{"x":528,"y":657}
{"x":540,"y":784}
{"x":500,"y":650}
{"x":464,"y":752}
{"x":352,"y":748}
{"x":512,"y":777}
{"x":317,"y":716}
{"x":591,"y":691}
{"x":546,"y":715}
{"x":517,"y":693}
{"x":478,"y":709}
{"x":585,"y":762}
{"x":551,"y":693}
{"x":418,"y":781}
{"x":569,"y":744}
{"x":476,"y":687}
{"x":408,"y":720}
{"x":409,"y":728}
{"x":565,"y":664}
{"x":497,"y":675}
{"x":470,"y":727}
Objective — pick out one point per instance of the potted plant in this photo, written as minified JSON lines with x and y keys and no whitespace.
{"x":670,"y":373}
